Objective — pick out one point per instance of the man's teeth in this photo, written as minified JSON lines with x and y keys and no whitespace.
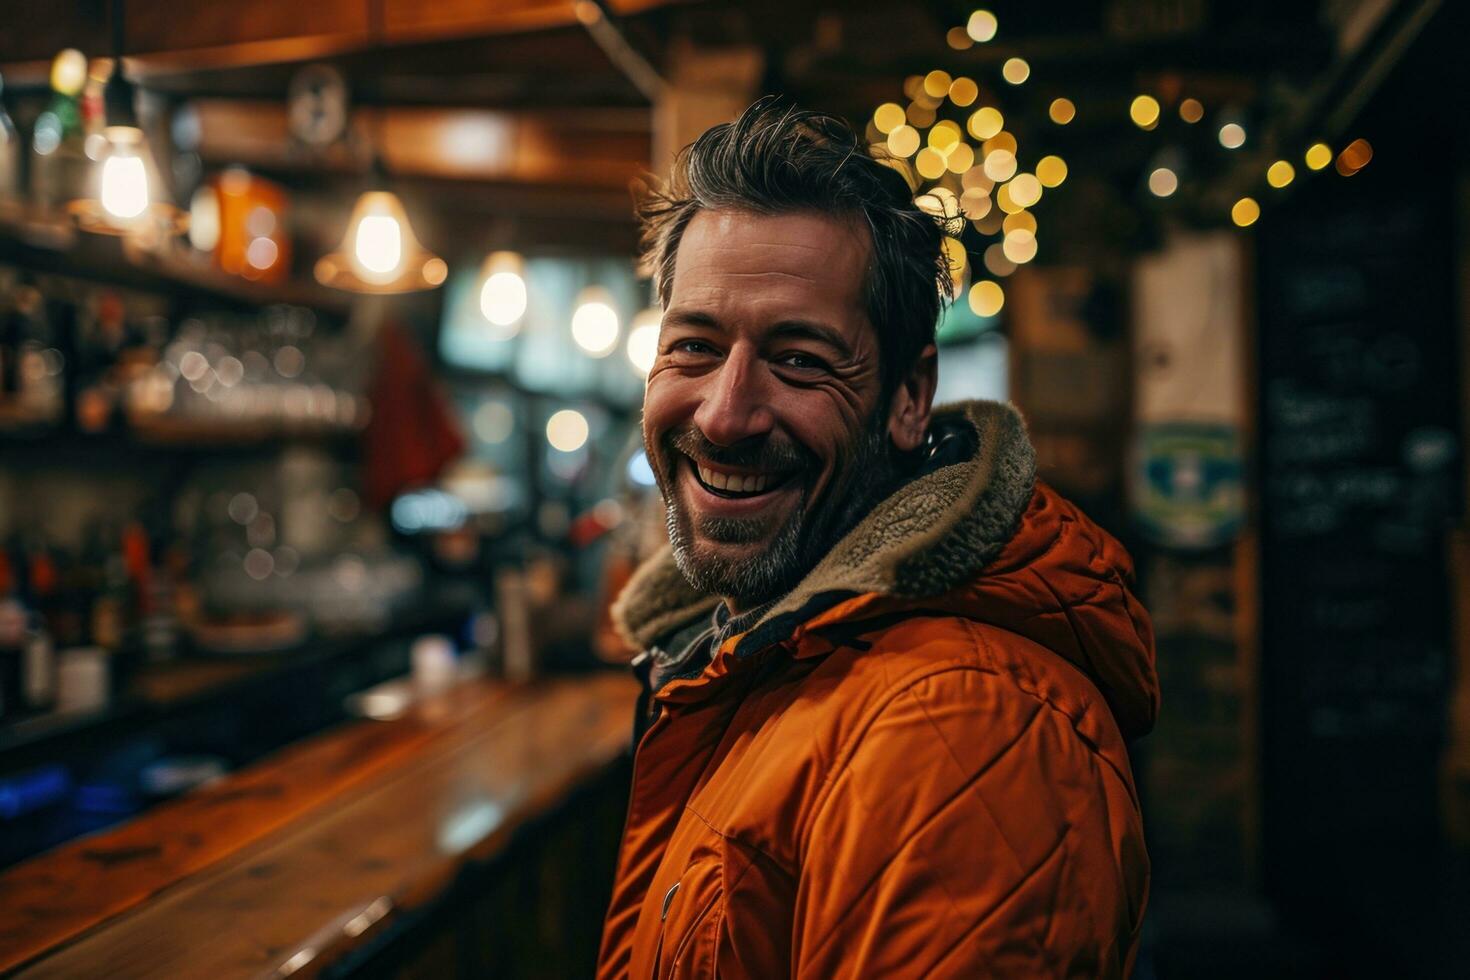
{"x":733,"y":483}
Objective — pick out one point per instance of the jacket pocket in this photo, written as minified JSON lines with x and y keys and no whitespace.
{"x":691,"y":918}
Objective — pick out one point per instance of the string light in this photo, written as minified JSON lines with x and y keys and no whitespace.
{"x":1354,"y":157}
{"x":1144,"y":111}
{"x":1245,"y":212}
{"x":936,"y":84}
{"x":963,"y":91}
{"x":1015,"y":70}
{"x":903,"y":141}
{"x":1163,"y":182}
{"x":985,"y":122}
{"x":1280,"y":173}
{"x":982,"y":26}
{"x":1025,"y":189}
{"x":1051,"y":171}
{"x":986,"y":298}
{"x":595,"y":322}
{"x":1318,"y":155}
{"x":888,"y":117}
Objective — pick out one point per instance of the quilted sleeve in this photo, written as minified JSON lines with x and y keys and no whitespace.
{"x":971,"y":831}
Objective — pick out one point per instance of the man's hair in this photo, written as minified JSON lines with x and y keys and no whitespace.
{"x":778,"y":159}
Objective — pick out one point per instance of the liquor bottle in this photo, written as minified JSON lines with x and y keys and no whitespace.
{"x":10,"y":156}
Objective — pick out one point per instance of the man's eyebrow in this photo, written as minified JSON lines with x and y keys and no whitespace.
{"x":692,"y":318}
{"x":813,"y":330}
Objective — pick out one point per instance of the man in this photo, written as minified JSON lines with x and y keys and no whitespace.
{"x":891,"y":673}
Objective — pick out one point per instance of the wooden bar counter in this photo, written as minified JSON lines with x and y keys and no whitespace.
{"x":398,"y":846}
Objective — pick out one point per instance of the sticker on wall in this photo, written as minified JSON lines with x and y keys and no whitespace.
{"x":1189,"y":483}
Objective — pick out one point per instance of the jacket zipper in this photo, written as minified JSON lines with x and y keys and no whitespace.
{"x":663,"y":915}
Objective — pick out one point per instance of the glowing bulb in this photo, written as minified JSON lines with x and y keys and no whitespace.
{"x":69,"y":71}
{"x":1015,"y":70}
{"x":1000,"y":165}
{"x":595,"y":323}
{"x":567,"y":430}
{"x":985,"y":122}
{"x":1051,"y":171}
{"x":982,"y":26}
{"x":124,"y":186}
{"x":1144,"y":112}
{"x":503,"y":289}
{"x":642,"y":345}
{"x":888,"y":117}
{"x":936,"y":84}
{"x":1245,"y":212}
{"x":378,"y":246}
{"x":929,"y":163}
{"x":1019,"y":246}
{"x":1280,"y":173}
{"x":1163,"y":182}
{"x":903,"y":141}
{"x":986,"y":298}
{"x":1025,"y":189}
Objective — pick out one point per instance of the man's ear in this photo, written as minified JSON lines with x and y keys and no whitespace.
{"x":908,"y":416}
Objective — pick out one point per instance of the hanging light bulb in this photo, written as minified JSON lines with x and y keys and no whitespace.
{"x":128,"y":195}
{"x":503,"y":292}
{"x":642,"y":345}
{"x":595,"y":322}
{"x":380,"y":253}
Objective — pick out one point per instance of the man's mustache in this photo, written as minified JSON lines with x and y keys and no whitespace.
{"x":765,"y":453}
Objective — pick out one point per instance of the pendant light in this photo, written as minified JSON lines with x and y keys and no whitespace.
{"x":502,"y":293}
{"x":128,"y":195}
{"x":380,"y":253}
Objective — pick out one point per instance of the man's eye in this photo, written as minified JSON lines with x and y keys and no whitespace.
{"x":803,"y":362}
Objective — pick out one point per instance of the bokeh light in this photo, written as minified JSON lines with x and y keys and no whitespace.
{"x":982,"y":26}
{"x":1051,"y":170}
{"x":1144,"y":111}
{"x":888,"y":117}
{"x":963,"y":91}
{"x":1163,"y":182}
{"x":567,"y":430}
{"x":986,"y":298}
{"x":1318,"y":155}
{"x":1280,"y":173}
{"x":1245,"y":212}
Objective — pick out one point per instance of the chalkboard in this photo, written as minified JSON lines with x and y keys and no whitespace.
{"x":1358,"y":463}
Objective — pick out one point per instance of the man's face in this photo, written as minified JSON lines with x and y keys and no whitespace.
{"x":761,"y":414}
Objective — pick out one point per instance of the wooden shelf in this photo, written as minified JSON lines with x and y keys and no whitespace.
{"x":48,"y":248}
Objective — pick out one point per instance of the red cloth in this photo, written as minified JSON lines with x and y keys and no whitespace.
{"x":412,"y":434}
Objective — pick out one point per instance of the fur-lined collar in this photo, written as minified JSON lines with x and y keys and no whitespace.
{"x":931,"y":534}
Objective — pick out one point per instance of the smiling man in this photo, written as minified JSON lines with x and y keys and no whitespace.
{"x":889,"y":672}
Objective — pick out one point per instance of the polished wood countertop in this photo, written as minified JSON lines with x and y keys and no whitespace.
{"x":281,"y":866}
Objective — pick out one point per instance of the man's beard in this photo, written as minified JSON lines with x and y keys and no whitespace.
{"x":869,"y":474}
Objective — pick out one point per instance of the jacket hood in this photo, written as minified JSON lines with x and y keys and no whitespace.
{"x":974,"y":535}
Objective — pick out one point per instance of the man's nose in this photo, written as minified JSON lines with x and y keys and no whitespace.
{"x":736,"y":405}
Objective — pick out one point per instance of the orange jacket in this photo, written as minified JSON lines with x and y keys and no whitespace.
{"x":912,"y":766}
